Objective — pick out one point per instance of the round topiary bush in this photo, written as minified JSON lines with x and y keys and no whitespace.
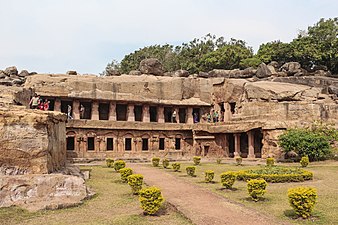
{"x":151,"y":199}
{"x":304,"y":162}
{"x":135,"y":181}
{"x":228,"y":179}
{"x":209,"y":175}
{"x":256,"y":188}
{"x":302,"y":200}
{"x":197,"y":160}
{"x":270,"y":161}
{"x":176,"y":166}
{"x":155,"y":161}
{"x":110,"y":162}
{"x":119,"y":164}
{"x":125,"y":173}
{"x":238,"y":160}
{"x":191,"y":170}
{"x":165,"y":163}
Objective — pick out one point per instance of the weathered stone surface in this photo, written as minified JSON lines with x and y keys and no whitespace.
{"x":2,"y":74}
{"x":181,"y":73}
{"x":112,"y":72}
{"x":263,"y":71}
{"x":135,"y":72}
{"x":38,"y":192}
{"x":11,"y":71}
{"x":322,"y":73}
{"x":292,"y":68}
{"x":151,"y":66}
{"x":23,"y":73}
{"x":203,"y":74}
{"x":71,"y":72}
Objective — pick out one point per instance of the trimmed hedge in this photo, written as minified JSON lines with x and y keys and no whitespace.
{"x":197,"y":160}
{"x":176,"y":166}
{"x":304,"y":162}
{"x":165,"y":163}
{"x":151,"y":200}
{"x":155,"y":161}
{"x":119,"y":164}
{"x":218,"y":160}
{"x":125,"y":172}
{"x":110,"y":162}
{"x":238,"y":160}
{"x":191,"y":170}
{"x":256,"y":188}
{"x":228,"y":179}
{"x":135,"y":181}
{"x":302,"y":200}
{"x":209,"y":175}
{"x":276,"y":174}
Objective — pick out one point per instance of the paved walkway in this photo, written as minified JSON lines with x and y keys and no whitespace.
{"x":201,"y":206}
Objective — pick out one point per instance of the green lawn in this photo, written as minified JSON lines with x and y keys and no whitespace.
{"x":113,"y":204}
{"x":276,"y":201}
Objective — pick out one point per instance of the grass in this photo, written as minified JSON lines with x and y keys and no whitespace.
{"x":275,"y":200}
{"x":113,"y":204}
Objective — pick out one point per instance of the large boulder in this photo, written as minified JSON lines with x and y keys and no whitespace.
{"x":112,"y":72}
{"x":71,"y":72}
{"x":23,"y":73}
{"x":151,"y":66}
{"x":135,"y":72}
{"x":181,"y":73}
{"x":12,"y":70}
{"x":292,"y":69}
{"x":264,"y":71}
{"x":2,"y":74}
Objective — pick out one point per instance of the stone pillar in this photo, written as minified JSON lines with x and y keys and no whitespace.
{"x":227,"y":112}
{"x":112,"y":111}
{"x":251,"y":143}
{"x":130,"y":113}
{"x":57,"y":105}
{"x":76,"y":109}
{"x":160,"y":114}
{"x":237,"y":145}
{"x":95,"y":110}
{"x":145,"y":114}
{"x":226,"y":145}
{"x":190,"y":118}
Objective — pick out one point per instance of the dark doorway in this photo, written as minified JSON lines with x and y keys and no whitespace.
{"x":161,"y":144}
{"x":121,"y":112}
{"x":178,"y":143}
{"x":231,"y":140}
{"x":90,"y":144}
{"x":127,"y":144}
{"x":103,"y":111}
{"x":232,"y":107}
{"x":206,"y":150}
{"x":70,"y":144}
{"x":87,"y":112}
{"x":138,"y":112}
{"x":168,"y":111}
{"x":64,"y":106}
{"x":145,"y":144}
{"x":110,"y":144}
{"x":153,"y":113}
{"x":182,"y":113}
{"x":244,"y":145}
{"x":51,"y":104}
{"x":196,"y":115}
{"x":258,"y":137}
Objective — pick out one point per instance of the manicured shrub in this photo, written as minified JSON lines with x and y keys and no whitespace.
{"x":304,"y":162}
{"x":165,"y":163}
{"x":125,"y":173}
{"x":151,"y":199}
{"x":302,"y":200}
{"x":191,"y":170}
{"x":176,"y":166}
{"x":119,"y":164}
{"x":135,"y":181}
{"x":197,"y":160}
{"x":110,"y":162}
{"x":228,"y":179}
{"x":270,"y":161}
{"x":209,"y":175}
{"x":238,"y":160}
{"x":218,"y":160}
{"x":155,"y":161}
{"x":256,"y":188}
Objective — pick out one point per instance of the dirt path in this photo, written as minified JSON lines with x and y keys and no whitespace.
{"x":201,"y":206}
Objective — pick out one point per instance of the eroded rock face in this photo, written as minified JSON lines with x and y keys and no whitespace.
{"x":151,"y":66}
{"x":38,"y":192}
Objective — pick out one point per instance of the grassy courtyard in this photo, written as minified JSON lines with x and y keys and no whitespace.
{"x":113,"y":204}
{"x":276,"y":201}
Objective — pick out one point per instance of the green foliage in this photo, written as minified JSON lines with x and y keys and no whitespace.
{"x":191,"y":170}
{"x":228,"y":179}
{"x":250,"y":62}
{"x":276,"y":174}
{"x":270,"y":161}
{"x":197,"y":160}
{"x":176,"y":166}
{"x":304,"y":142}
{"x":256,"y":188}
{"x":151,"y":199}
{"x":302,"y":200}
{"x":119,"y":164}
{"x":218,"y":160}
{"x":125,"y":172}
{"x":135,"y":181}
{"x":165,"y":163}
{"x":238,"y":160}
{"x":304,"y":162}
{"x":155,"y":161}
{"x":110,"y":162}
{"x":209,"y":175}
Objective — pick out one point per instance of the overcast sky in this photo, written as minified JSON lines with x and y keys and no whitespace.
{"x":55,"y":36}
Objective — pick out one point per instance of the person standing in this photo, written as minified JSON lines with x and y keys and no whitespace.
{"x":34,"y":102}
{"x":69,"y":112}
{"x":82,"y":111}
{"x":174,"y":116}
{"x":46,"y":105}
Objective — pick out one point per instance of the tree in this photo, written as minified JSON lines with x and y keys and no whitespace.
{"x":112,"y":68}
{"x":274,"y":51}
